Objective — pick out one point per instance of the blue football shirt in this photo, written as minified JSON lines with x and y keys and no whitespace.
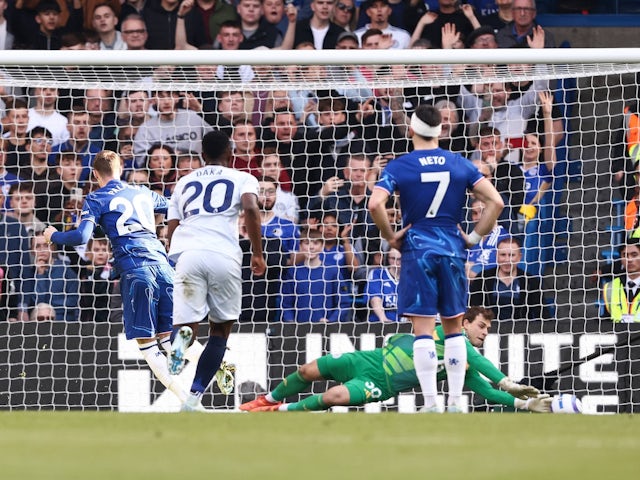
{"x":433,"y":188}
{"x":126,"y":214}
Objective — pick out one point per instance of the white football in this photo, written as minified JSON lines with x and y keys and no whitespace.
{"x":566,"y":403}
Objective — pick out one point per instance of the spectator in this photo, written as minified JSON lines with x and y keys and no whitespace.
{"x":102,"y":119}
{"x":231,"y":108}
{"x":482,"y":37}
{"x":47,"y":34}
{"x":319,"y":29}
{"x":452,"y":136}
{"x":43,"y":312}
{"x":507,"y":289}
{"x":312,"y":291}
{"x":379,"y":12}
{"x":15,"y":127}
{"x":57,"y":187}
{"x":348,"y":197}
{"x":274,"y":226}
{"x":96,"y":282}
{"x":39,"y":148}
{"x":45,"y":114}
{"x":186,"y":163}
{"x":104,"y":22}
{"x":134,"y":32}
{"x":483,"y":255}
{"x":260,"y":294}
{"x":620,"y":293}
{"x":274,"y":14}
{"x":78,"y":142}
{"x":246,"y":157}
{"x":337,"y":245}
{"x":286,"y":205}
{"x":344,"y":15}
{"x":299,"y":154}
{"x":7,"y":179}
{"x":264,"y":34}
{"x":134,"y":108}
{"x":501,"y":18}
{"x":431,"y":23}
{"x":160,"y":17}
{"x":524,"y":30}
{"x":23,"y":207}
{"x":54,"y":282}
{"x":6,"y":25}
{"x":176,"y":127}
{"x":161,"y":165}
{"x":15,"y":264}
{"x":507,"y":177}
{"x":382,"y":288}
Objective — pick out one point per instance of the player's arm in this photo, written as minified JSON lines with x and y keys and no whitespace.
{"x":377,"y":208}
{"x":487,"y":193}
{"x":78,"y":236}
{"x":252,"y":223}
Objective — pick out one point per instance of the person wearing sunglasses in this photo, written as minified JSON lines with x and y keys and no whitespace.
{"x":344,"y":14}
{"x":379,"y":12}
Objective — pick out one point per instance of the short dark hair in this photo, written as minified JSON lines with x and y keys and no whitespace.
{"x":214,"y":146}
{"x":429,"y":115}
{"x":39,"y":131}
{"x":472,"y":312}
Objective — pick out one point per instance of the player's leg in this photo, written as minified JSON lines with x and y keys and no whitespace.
{"x":418,"y":300}
{"x":140,"y":297}
{"x":452,"y":306}
{"x":189,"y":303}
{"x":293,"y":384}
{"x":224,"y":295}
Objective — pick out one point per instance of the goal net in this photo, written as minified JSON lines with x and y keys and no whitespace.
{"x":555,"y":131}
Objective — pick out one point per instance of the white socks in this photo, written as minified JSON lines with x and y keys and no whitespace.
{"x":157,"y":361}
{"x":455,"y":362}
{"x":425,"y":359}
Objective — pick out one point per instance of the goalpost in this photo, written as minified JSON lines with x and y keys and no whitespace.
{"x":570,"y":245}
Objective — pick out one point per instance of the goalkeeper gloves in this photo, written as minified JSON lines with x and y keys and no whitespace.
{"x":539,"y":404}
{"x":225,"y":378}
{"x":517,"y":390}
{"x":527,"y":212}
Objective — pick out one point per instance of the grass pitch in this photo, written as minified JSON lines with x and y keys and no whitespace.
{"x":114,"y":446}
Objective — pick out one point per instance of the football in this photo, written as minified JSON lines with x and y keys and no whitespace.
{"x":566,"y":403}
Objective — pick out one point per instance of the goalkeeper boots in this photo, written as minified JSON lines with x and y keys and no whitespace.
{"x":224,"y":377}
{"x":269,"y":408}
{"x":175,"y":361}
{"x":259,"y":402}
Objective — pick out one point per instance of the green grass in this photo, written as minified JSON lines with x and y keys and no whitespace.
{"x":114,"y":446}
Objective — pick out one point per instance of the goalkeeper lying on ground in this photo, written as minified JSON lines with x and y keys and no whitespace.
{"x":376,"y":375}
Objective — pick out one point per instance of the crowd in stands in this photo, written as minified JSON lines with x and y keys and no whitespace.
{"x":316,"y":153}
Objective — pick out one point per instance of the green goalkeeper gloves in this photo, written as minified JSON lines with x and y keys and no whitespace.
{"x":539,"y":404}
{"x":517,"y":390}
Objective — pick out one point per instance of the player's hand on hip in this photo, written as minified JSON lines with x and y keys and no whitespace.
{"x":258,"y":267}
{"x":398,"y":238}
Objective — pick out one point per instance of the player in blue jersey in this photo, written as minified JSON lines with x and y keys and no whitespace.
{"x":126,"y":214}
{"x":432,"y":186}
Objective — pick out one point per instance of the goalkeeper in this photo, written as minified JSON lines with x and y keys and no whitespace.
{"x":376,"y":375}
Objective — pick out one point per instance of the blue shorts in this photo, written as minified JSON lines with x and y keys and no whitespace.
{"x":147,"y":301}
{"x":432,"y":284}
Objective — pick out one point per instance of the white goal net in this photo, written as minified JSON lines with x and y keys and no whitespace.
{"x":555,"y":131}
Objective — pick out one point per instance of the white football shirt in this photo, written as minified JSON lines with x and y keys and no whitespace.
{"x":208,"y":202}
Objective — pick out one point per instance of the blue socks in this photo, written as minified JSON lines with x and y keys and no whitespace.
{"x":208,"y":364}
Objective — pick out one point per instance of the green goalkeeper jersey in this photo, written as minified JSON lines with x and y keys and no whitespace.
{"x":397,"y":362}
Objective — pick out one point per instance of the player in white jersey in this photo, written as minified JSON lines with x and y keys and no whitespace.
{"x":204,"y":243}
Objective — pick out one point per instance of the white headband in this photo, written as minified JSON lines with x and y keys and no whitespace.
{"x":424,"y":130}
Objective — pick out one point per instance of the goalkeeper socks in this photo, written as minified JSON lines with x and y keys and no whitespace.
{"x":425,"y":359}
{"x":209,"y":363}
{"x":158,"y":364}
{"x":291,"y":385}
{"x":312,"y":403}
{"x":455,"y":363}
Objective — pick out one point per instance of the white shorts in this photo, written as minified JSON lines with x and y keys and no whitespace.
{"x":206,"y":283}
